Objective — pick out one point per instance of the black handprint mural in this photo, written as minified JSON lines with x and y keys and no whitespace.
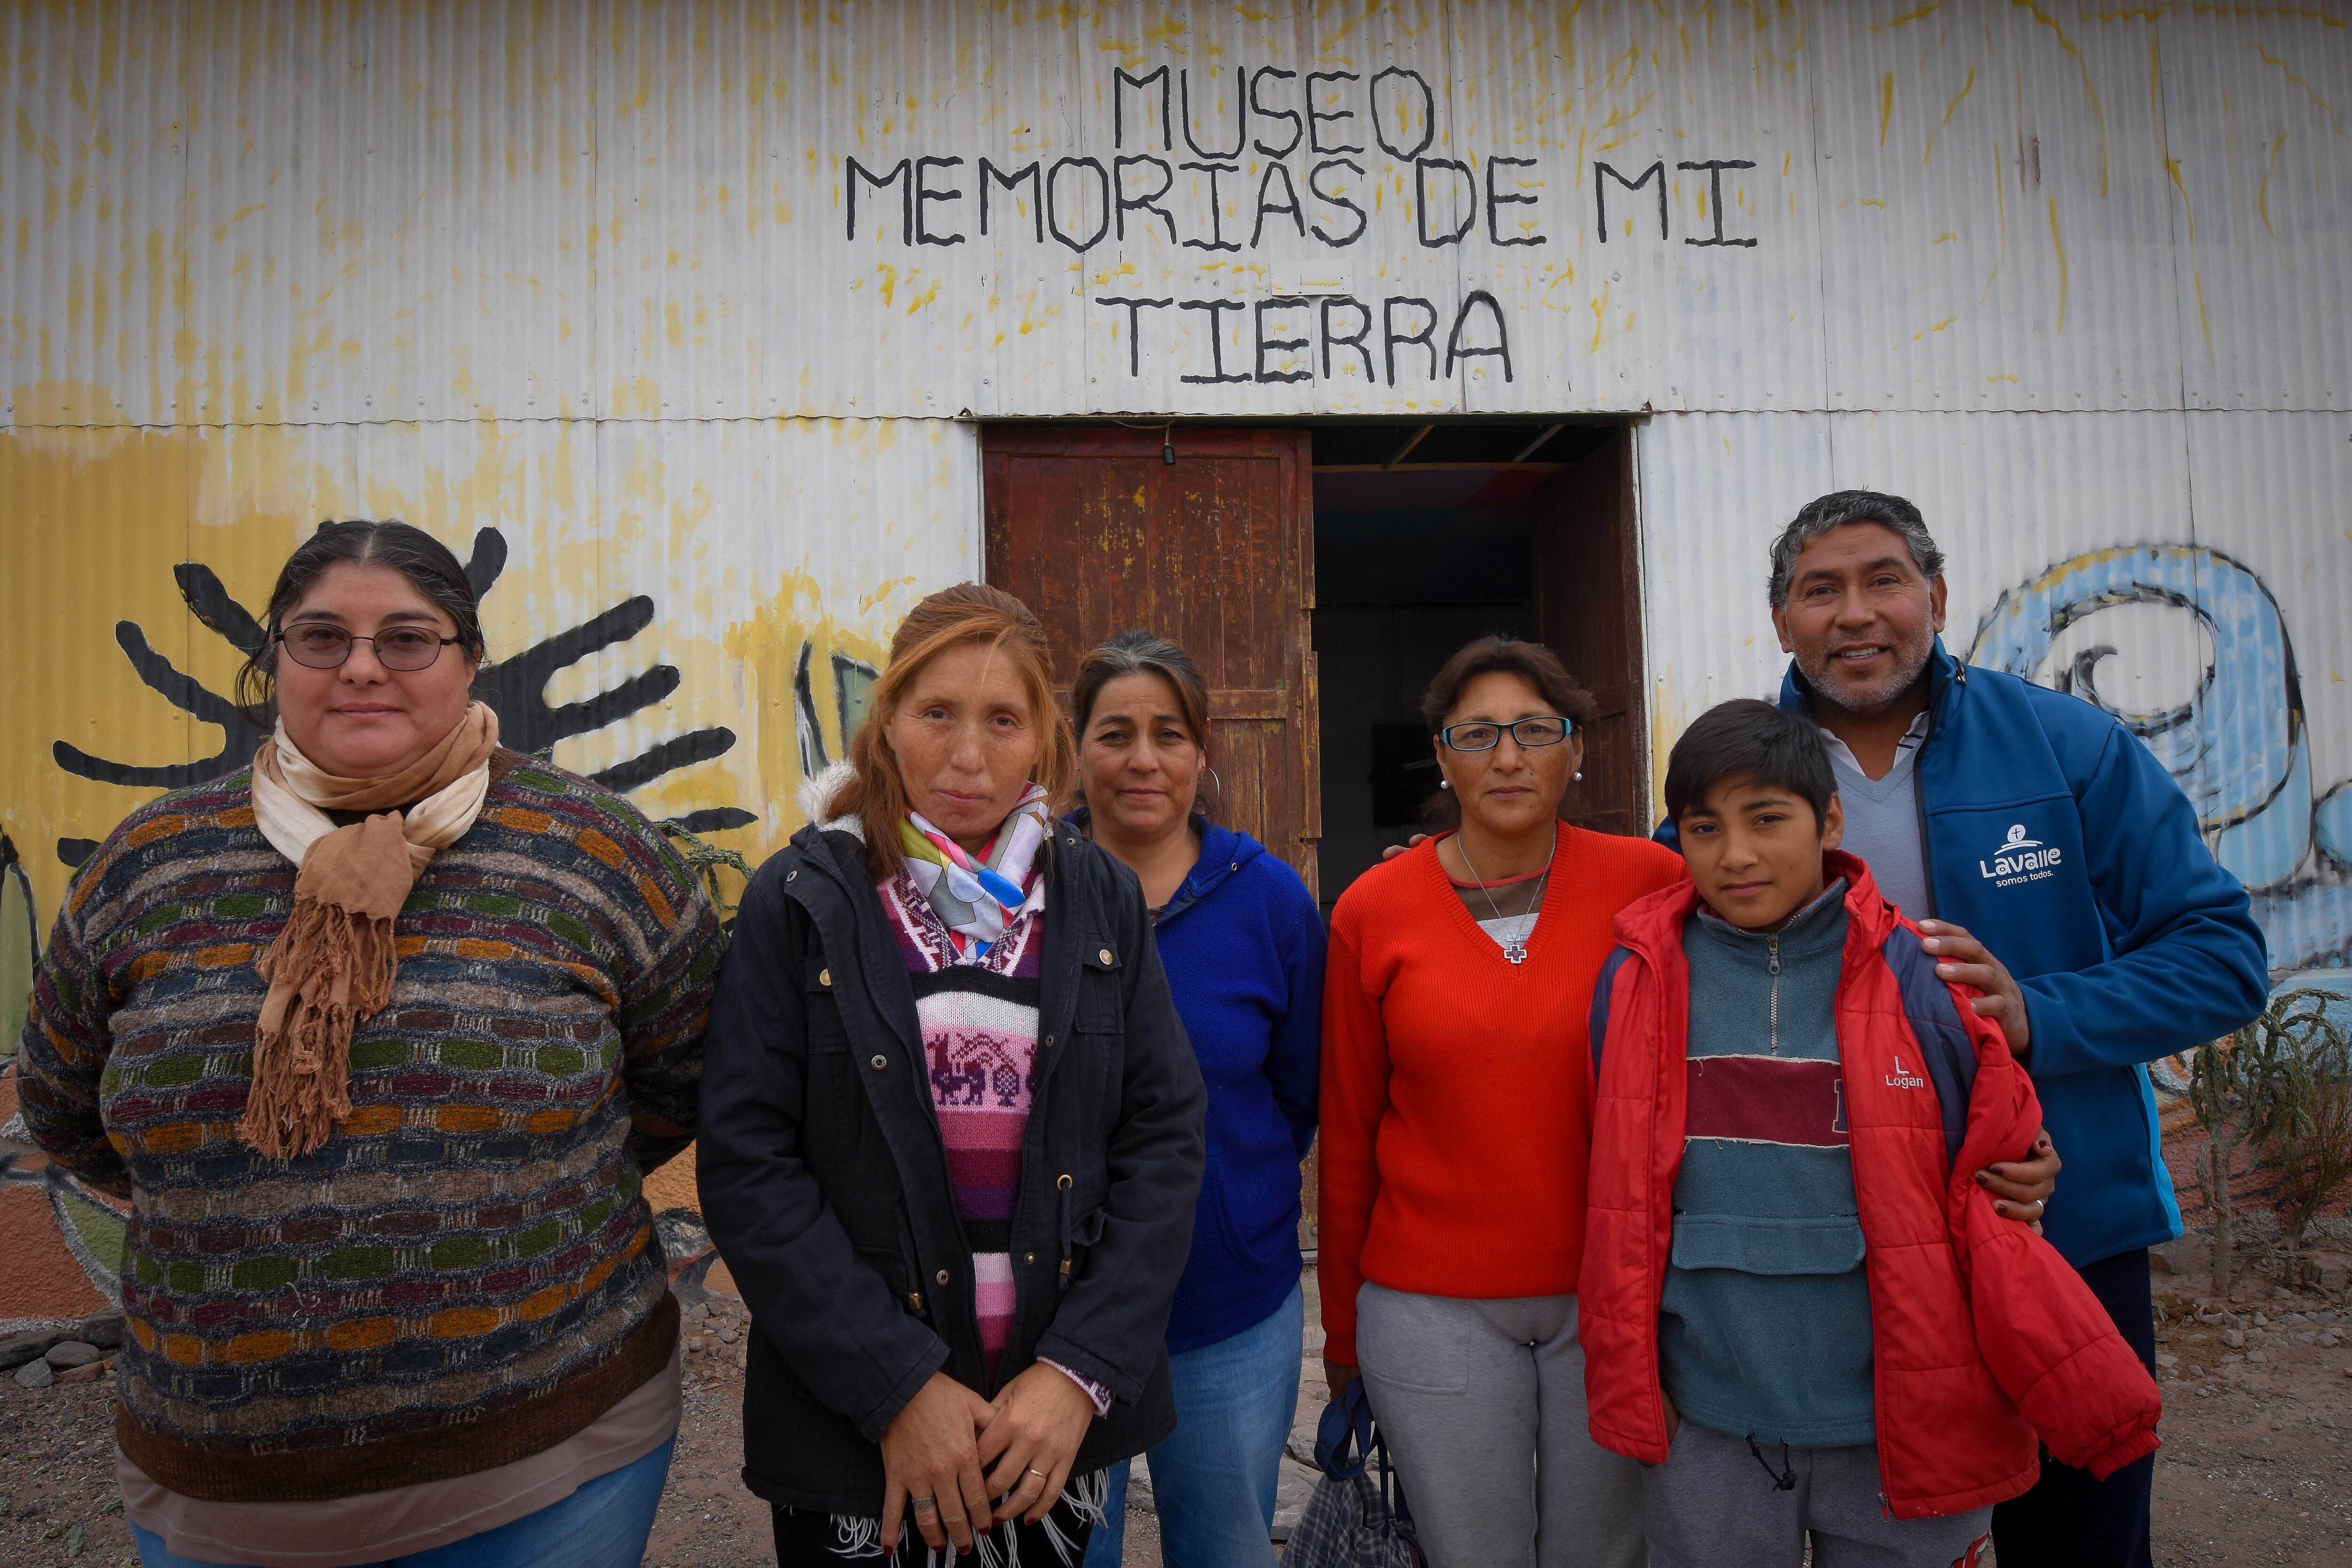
{"x":515,"y":688}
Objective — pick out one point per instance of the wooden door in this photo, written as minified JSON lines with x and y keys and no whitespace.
{"x":1093,"y":530}
{"x":1589,"y":606}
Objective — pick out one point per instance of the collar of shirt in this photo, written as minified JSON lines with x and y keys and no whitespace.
{"x":1840,"y":752}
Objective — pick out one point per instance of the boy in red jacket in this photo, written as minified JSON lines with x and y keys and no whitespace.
{"x":1797,"y":1306}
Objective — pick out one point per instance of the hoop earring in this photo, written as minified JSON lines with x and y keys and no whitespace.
{"x":1215,"y":780}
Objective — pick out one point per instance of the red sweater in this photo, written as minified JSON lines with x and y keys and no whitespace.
{"x":1457,"y":1108}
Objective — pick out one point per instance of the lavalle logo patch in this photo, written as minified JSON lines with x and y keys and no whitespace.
{"x":2021,"y":859}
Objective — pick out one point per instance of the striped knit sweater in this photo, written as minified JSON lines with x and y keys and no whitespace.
{"x":978,"y":1017}
{"x":465,"y":1273}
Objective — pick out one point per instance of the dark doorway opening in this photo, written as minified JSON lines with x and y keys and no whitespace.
{"x":1427,"y":535}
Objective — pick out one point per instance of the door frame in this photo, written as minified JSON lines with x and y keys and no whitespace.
{"x":1294,"y":698}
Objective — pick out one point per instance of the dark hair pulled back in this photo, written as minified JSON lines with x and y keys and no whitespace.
{"x":1531,"y":662}
{"x":1140,"y":652}
{"x":415,"y":555}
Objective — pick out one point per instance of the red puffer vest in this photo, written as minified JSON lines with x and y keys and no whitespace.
{"x":1982,"y":1336}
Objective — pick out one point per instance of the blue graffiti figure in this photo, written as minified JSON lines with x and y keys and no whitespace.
{"x":2237,"y":745}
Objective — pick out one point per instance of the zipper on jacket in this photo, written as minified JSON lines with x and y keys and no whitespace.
{"x":1919,"y":787}
{"x":1772,"y":943}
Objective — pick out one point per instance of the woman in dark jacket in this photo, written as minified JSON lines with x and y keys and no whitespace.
{"x":951,"y":1129}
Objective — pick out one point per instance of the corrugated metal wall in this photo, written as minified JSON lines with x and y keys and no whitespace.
{"x":2199,"y":566}
{"x":745,"y":557}
{"x":589,"y":275}
{"x":304,"y":213}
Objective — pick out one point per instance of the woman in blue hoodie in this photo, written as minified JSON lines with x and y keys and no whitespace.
{"x":1242,"y":942}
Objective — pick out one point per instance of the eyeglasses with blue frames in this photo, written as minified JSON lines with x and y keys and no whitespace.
{"x":1483,"y":737}
{"x":408,"y":649}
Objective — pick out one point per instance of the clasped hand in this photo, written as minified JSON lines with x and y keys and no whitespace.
{"x":935,"y":1452}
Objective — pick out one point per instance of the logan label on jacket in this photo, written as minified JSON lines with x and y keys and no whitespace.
{"x":2021,"y":859}
{"x":1902,"y":1076}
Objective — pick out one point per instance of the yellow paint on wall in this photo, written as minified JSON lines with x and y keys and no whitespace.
{"x":93,"y":522}
{"x":765,"y":652}
{"x":2058,"y":244}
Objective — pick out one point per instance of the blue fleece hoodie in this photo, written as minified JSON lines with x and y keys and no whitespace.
{"x":1243,"y":944}
{"x":2060,"y":842}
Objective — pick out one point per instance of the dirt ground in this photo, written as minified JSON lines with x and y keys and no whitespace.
{"x":2255,"y":1466}
{"x":2257,"y":1460}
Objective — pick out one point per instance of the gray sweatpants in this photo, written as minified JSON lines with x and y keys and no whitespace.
{"x":1712,"y":1502}
{"x":1481,"y":1404}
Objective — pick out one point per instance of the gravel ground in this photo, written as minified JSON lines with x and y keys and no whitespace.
{"x":2256,"y":1467}
{"x":57,"y":1477}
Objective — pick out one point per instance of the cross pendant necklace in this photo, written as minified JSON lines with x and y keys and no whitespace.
{"x":1515,"y":952}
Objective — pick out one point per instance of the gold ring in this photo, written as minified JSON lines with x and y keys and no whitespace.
{"x":1036,"y":1472}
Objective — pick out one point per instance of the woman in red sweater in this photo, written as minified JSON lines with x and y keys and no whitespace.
{"x":1456,"y":1119}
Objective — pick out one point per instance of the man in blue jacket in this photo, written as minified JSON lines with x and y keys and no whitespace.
{"x":2053,"y":864}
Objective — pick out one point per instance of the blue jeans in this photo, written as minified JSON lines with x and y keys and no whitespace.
{"x":604,"y":1524}
{"x":1214,"y":1479}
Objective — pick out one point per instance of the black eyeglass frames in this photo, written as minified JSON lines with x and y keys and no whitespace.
{"x":404,"y":648}
{"x":1483,"y":737}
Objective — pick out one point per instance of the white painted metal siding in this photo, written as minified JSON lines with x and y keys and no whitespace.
{"x":303,"y":213}
{"x":2074,"y":276}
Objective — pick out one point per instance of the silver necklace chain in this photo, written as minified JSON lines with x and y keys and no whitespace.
{"x":1515,"y":951}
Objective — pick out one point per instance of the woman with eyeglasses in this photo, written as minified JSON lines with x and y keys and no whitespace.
{"x":380,"y":1036}
{"x":1456,"y":1121}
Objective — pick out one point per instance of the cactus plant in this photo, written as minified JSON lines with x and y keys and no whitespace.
{"x":2311,"y":1156}
{"x":2251,"y":1089}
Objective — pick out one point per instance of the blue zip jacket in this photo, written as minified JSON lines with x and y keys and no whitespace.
{"x":1243,"y":944}
{"x":2061,"y":843}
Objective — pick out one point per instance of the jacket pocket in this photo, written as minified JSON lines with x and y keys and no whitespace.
{"x":897,"y":1274}
{"x":1082,"y":1220}
{"x":1827,"y":1245}
{"x":826,"y":1032}
{"x":1102,"y":1006}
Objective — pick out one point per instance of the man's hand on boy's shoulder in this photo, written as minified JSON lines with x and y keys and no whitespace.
{"x":1962,"y":960}
{"x":2020,"y":1189}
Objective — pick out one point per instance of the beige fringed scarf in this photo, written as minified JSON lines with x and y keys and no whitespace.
{"x":333,"y":964}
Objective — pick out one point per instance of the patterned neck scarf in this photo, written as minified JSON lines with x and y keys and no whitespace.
{"x":976,"y":900}
{"x":333,"y":965}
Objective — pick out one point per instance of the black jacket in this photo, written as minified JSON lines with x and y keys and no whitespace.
{"x":825,"y":1182}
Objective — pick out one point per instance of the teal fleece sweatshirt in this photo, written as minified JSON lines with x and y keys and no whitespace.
{"x":1764,"y":1326}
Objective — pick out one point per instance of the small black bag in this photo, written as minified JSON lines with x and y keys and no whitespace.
{"x":1352,"y":1521}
